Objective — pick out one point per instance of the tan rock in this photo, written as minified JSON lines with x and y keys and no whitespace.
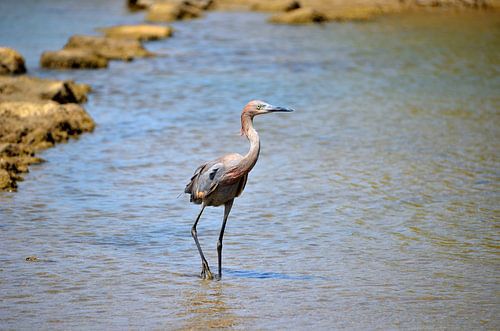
{"x":32,"y":259}
{"x":274,"y":5}
{"x":171,"y":11}
{"x":200,"y":4}
{"x":135,"y":5}
{"x":353,"y":14}
{"x":138,"y":32}
{"x":25,"y":88}
{"x":5,"y":180}
{"x":110,"y":48}
{"x":453,"y":3}
{"x":72,"y":59}
{"x":26,"y":127}
{"x":298,"y":16}
{"x":232,"y":5}
{"x":11,"y":62}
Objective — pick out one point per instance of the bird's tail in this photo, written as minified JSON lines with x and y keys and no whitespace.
{"x":189,"y":187}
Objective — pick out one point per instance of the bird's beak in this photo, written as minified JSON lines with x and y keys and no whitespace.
{"x":271,"y":109}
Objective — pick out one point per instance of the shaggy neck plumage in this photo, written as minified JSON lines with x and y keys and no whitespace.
{"x":246,"y":164}
{"x":253,"y":137}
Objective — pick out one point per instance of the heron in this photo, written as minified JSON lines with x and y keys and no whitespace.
{"x":220,"y":181}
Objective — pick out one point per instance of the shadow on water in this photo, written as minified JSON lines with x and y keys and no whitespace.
{"x":259,"y":275}
{"x":269,"y":275}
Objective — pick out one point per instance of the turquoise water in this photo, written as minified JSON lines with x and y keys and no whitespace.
{"x":373,"y":206}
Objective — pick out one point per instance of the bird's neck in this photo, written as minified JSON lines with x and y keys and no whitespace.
{"x":249,"y":160}
{"x":246,"y":164}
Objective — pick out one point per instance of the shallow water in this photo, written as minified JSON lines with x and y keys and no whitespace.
{"x":373,"y":206}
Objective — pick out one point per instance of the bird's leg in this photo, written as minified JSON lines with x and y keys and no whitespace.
{"x":205,"y":270}
{"x":227,"y":209}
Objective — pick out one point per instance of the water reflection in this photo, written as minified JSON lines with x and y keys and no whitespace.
{"x":206,"y":308}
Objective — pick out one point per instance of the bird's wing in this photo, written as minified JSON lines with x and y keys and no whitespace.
{"x":189,"y":186}
{"x":205,"y":181}
{"x":207,"y":176}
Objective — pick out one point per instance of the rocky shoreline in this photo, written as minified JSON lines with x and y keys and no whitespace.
{"x":37,"y":113}
{"x":302,"y":11}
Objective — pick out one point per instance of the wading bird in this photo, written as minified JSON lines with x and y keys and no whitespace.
{"x":218,"y":182}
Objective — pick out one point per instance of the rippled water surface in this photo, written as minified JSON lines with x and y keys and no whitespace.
{"x":375,"y":205}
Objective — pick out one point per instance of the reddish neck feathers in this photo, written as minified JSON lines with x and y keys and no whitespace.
{"x":249,"y":160}
{"x":252,"y":135}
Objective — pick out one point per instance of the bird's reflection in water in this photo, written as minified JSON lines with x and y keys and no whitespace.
{"x":206,"y":308}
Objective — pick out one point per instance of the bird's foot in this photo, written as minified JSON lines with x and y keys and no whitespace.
{"x":205,"y":272}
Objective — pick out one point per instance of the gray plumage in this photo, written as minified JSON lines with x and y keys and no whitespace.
{"x":205,"y":183}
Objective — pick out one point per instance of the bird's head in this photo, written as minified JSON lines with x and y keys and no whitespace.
{"x":258,"y":107}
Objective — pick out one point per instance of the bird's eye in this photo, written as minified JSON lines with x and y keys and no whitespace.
{"x":259,"y":107}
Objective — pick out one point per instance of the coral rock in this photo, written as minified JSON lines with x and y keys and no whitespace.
{"x":171,"y":11}
{"x":298,"y":16}
{"x":110,"y":48}
{"x":138,"y":32}
{"x":26,"y":127}
{"x":25,"y":88}
{"x":11,"y":62}
{"x":275,"y":5}
{"x":72,"y":59}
